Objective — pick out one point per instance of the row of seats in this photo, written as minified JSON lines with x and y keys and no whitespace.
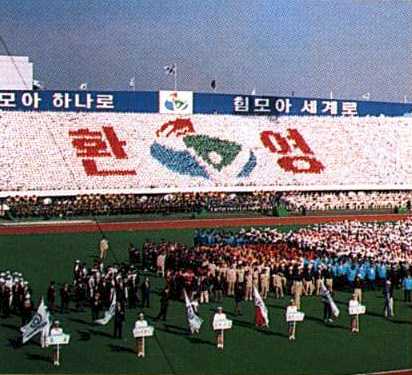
{"x":351,"y":200}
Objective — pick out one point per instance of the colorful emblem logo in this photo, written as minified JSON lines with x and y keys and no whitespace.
{"x":180,"y":149}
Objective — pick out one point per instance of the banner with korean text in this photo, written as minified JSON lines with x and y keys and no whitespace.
{"x":188,"y":102}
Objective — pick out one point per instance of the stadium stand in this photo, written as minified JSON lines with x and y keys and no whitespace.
{"x":352,"y":200}
{"x":49,"y":153}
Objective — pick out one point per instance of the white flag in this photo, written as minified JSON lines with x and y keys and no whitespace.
{"x":170,"y":69}
{"x":39,"y":322}
{"x":83,"y":86}
{"x":366,"y":96}
{"x":325,"y":294}
{"x":195,"y":322}
{"x":37,"y":85}
{"x":132,"y":82}
{"x":261,"y":311}
{"x":109,"y":314}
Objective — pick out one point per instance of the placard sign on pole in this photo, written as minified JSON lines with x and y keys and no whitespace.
{"x":58,"y":339}
{"x":357,"y":310}
{"x":295,"y":316}
{"x":143,"y":332}
{"x":222,"y":324}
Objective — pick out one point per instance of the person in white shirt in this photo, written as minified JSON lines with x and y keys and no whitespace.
{"x":292,"y":308}
{"x":354,"y":318}
{"x":140,"y":323}
{"x":220,"y":315}
{"x":56,"y":330}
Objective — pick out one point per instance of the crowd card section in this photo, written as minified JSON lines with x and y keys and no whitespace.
{"x":55,"y":153}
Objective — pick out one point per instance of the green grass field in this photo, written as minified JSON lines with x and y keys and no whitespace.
{"x":381,"y":345}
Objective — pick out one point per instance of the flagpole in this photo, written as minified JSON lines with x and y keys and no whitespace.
{"x":175,"y":76}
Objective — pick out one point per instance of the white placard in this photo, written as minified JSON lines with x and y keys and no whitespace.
{"x":58,"y":339}
{"x":357,"y":310}
{"x":295,"y":316}
{"x":143,"y":332}
{"x":222,"y":324}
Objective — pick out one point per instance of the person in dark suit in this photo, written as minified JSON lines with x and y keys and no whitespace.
{"x":239,"y":295}
{"x":119,"y":318}
{"x":51,"y":296}
{"x":164,"y":304}
{"x":64,"y":298}
{"x":96,"y":306}
{"x":145,"y":287}
{"x":27,"y":310}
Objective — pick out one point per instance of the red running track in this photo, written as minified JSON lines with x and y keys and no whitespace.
{"x":73,"y":227}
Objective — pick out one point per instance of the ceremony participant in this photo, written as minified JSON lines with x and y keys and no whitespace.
{"x":358,"y":288}
{"x":297,"y":287}
{"x":64,"y":298}
{"x":327,"y":308}
{"x":388,"y":298}
{"x":353,"y":302}
{"x":220,"y":338}
{"x":96,"y":306}
{"x":119,"y":318}
{"x":145,"y":287}
{"x":292,"y":308}
{"x":407,"y":287}
{"x":26,"y":310}
{"x":239,"y":294}
{"x":231,"y":280}
{"x":103,"y":247}
{"x":140,"y":347}
{"x":218,"y":286}
{"x":308,"y":287}
{"x":248,"y":286}
{"x":277,"y":285}
{"x":56,"y":330}
{"x":264,"y":282}
{"x":164,"y":304}
{"x":51,"y":296}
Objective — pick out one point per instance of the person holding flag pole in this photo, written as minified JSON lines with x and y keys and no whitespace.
{"x":40,"y":323}
{"x":261,"y":311}
{"x":330,"y":309}
{"x":109,"y":314}
{"x":194,"y":321}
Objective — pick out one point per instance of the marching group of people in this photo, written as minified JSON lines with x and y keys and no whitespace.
{"x":347,"y":255}
{"x":15,"y":296}
{"x":310,"y":261}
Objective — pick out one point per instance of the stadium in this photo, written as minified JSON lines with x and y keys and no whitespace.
{"x":199,"y":232}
